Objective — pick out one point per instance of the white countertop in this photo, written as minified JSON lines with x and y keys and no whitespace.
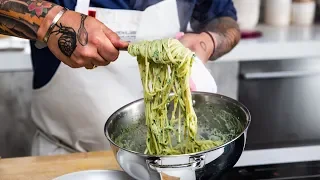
{"x":14,"y":54}
{"x":279,"y":156}
{"x":276,"y":43}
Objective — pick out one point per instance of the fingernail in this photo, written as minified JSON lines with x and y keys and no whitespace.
{"x":179,"y":35}
{"x":192,"y":85}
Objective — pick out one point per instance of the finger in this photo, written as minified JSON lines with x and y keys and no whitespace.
{"x":71,"y":64}
{"x":99,"y":61}
{"x":115,"y":39}
{"x":89,"y":66}
{"x":77,"y":61}
{"x":179,"y":35}
{"x":192,"y":85}
{"x":107,"y":51}
{"x":120,"y":44}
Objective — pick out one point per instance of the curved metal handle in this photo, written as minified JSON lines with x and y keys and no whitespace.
{"x":196,"y":163}
{"x":280,"y":74}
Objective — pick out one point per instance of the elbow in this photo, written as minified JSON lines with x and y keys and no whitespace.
{"x":237,"y":35}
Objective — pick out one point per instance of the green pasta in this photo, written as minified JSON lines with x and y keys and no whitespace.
{"x":165,"y":67}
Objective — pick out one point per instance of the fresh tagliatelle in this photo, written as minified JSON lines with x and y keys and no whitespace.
{"x":165,"y":67}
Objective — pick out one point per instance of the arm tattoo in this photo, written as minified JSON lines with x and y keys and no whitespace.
{"x":227,"y":35}
{"x":82,"y":32}
{"x":22,"y":18}
{"x":203,"y":46}
{"x":67,"y":42}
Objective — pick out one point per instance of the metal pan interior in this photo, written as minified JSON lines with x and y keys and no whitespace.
{"x":219,"y":118}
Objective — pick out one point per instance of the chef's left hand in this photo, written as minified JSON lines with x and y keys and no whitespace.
{"x":201,"y":44}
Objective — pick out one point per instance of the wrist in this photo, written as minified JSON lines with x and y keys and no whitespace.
{"x":47,"y":21}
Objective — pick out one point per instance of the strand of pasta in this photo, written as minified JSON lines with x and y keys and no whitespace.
{"x":165,"y":67}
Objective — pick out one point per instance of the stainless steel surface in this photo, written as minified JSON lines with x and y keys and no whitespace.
{"x":285,"y":109}
{"x":207,"y":165}
{"x":280,"y":74}
{"x":195,"y":163}
{"x":96,"y":175}
{"x":17,"y":128}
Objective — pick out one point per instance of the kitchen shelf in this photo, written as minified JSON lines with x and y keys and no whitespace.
{"x":276,"y":43}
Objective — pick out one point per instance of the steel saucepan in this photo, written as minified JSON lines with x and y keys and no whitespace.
{"x":219,"y":117}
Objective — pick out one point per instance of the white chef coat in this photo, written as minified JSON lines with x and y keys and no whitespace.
{"x":71,"y":110}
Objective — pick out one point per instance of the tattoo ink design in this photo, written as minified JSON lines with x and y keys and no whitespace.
{"x":68,"y":39}
{"x":82,"y":32}
{"x":203,"y":46}
{"x":17,"y":28}
{"x":22,"y":18}
{"x":38,"y":7}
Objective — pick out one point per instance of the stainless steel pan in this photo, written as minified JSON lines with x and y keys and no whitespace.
{"x":227,"y":118}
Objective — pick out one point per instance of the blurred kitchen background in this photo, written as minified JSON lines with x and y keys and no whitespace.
{"x":274,"y":71}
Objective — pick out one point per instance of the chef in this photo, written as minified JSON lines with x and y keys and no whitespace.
{"x":71,"y":105}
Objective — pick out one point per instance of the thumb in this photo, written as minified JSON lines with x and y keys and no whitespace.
{"x":120,"y":44}
{"x":115,"y":39}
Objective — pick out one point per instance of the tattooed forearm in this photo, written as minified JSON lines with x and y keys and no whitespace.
{"x":22,"y":18}
{"x":227,"y":35}
{"x":16,"y":28}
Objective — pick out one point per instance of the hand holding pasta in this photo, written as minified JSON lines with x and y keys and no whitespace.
{"x":165,"y":67}
{"x":201,"y":44}
{"x":82,"y":41}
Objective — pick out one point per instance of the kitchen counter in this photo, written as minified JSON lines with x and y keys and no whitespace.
{"x":276,"y":43}
{"x":49,"y":167}
{"x":15,"y":54}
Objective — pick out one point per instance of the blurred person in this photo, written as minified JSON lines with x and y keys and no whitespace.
{"x":71,"y":105}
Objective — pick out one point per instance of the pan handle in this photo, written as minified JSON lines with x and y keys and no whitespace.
{"x":195,"y":163}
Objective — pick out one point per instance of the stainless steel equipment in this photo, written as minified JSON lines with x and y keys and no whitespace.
{"x":215,"y":113}
{"x":96,"y":175}
{"x":283,"y":98}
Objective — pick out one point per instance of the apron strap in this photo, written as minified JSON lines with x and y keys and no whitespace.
{"x":55,"y":141}
{"x":82,"y":6}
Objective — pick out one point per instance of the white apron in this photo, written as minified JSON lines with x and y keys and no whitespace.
{"x":71,"y":110}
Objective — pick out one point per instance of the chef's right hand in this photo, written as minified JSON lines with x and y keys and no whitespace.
{"x":81,"y":41}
